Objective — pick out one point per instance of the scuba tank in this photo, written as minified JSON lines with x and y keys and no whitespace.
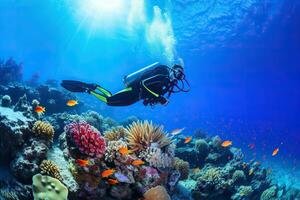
{"x":137,"y":76}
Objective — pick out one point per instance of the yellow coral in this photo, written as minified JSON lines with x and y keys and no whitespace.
{"x":43,"y":130}
{"x":157,"y":193}
{"x":212,"y":174}
{"x":49,"y":168}
{"x":140,"y":135}
{"x":183,"y":167}
{"x":115,"y":133}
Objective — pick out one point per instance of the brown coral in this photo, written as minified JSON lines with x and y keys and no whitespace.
{"x":115,"y":134}
{"x":183,"y":167}
{"x":43,"y":130}
{"x":157,"y":193}
{"x":140,"y":135}
{"x":49,"y":168}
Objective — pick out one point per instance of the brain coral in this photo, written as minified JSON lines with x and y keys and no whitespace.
{"x":157,"y":193}
{"x":43,"y":130}
{"x":49,"y":168}
{"x":183,"y":167}
{"x":201,"y":147}
{"x":86,"y":138}
{"x":140,"y":136}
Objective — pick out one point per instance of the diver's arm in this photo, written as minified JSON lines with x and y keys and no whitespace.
{"x":144,"y":82}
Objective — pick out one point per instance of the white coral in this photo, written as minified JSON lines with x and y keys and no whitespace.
{"x":156,"y":158}
{"x":112,"y":151}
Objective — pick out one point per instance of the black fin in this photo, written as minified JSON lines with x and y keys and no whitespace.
{"x":77,"y":86}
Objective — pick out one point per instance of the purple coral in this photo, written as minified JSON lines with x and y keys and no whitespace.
{"x":86,"y":138}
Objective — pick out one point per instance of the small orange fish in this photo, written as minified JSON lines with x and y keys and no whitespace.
{"x":137,"y":162}
{"x":187,"y":140}
{"x":112,"y":181}
{"x":275,"y":152}
{"x":107,"y":173}
{"x":177,"y":131}
{"x":124,"y":151}
{"x":40,"y":109}
{"x":72,"y":103}
{"x":82,"y":163}
{"x":226,"y":143}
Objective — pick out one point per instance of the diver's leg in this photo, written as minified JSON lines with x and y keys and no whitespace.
{"x":104,"y":91}
{"x":124,"y":97}
{"x":99,"y":96}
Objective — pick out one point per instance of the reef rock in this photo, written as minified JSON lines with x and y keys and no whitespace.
{"x":14,"y":128}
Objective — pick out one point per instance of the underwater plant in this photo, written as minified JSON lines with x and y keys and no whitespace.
{"x":140,"y":136}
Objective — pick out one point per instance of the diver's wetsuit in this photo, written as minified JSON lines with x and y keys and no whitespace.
{"x":150,"y":86}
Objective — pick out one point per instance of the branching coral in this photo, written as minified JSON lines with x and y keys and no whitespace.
{"x":140,"y":136}
{"x":43,"y":130}
{"x":115,"y":134}
{"x":8,"y":195}
{"x":183,"y":167}
{"x":156,"y":158}
{"x":112,"y":150}
{"x":86,"y":138}
{"x":49,"y":168}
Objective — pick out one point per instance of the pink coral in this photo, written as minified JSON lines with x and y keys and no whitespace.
{"x":86,"y":138}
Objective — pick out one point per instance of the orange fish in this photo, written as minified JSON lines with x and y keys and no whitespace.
{"x":112,"y":181}
{"x":137,"y":162}
{"x":187,"y":140}
{"x":275,"y":152}
{"x":40,"y":109}
{"x":226,"y":143}
{"x":107,"y":173}
{"x":82,"y":163}
{"x":72,"y":103}
{"x":177,"y":131}
{"x":124,"y":151}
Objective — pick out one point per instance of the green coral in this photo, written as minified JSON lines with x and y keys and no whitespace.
{"x":48,"y":188}
{"x":245,"y":191}
{"x":212,"y":175}
{"x":8,"y":195}
{"x":239,"y":176}
{"x":269,"y":194}
{"x":201,"y":147}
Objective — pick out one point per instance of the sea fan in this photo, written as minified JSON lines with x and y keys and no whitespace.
{"x":141,"y":135}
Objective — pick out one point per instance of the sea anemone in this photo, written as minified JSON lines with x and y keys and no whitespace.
{"x":49,"y":168}
{"x":140,"y":136}
{"x":115,"y":133}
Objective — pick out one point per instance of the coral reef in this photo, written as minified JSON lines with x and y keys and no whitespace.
{"x":141,"y":135}
{"x":6,"y":101}
{"x":86,"y":138}
{"x":49,"y":168}
{"x":115,"y":133}
{"x":46,"y":187}
{"x":202,"y":147}
{"x":10,"y":71}
{"x":183,"y":167}
{"x":43,"y":130}
{"x":269,"y":194}
{"x":157,"y":193}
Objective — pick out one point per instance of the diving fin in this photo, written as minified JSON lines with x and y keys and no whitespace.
{"x":78,"y":86}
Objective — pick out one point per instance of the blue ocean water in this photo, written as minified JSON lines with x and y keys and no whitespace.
{"x":241,"y":59}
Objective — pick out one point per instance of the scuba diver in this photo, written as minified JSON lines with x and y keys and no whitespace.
{"x":153,"y":84}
